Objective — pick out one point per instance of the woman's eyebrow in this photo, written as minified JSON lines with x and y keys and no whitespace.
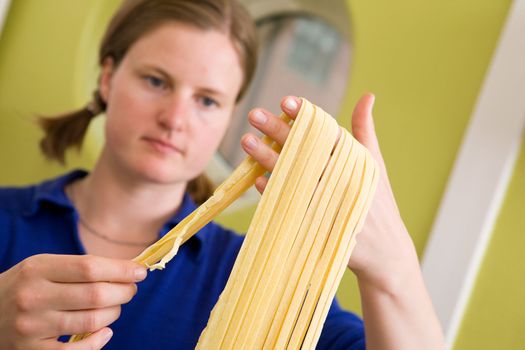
{"x":204,"y":89}
{"x":158,"y":70}
{"x":212,"y":91}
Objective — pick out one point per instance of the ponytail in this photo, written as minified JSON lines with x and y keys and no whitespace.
{"x":68,"y":130}
{"x":200,"y":189}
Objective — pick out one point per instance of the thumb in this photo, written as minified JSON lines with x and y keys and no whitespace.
{"x":96,"y":340}
{"x":363,"y":125}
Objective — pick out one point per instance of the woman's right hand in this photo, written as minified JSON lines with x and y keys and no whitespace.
{"x":46,"y":296}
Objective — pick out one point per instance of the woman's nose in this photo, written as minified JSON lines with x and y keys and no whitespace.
{"x":174,"y":114}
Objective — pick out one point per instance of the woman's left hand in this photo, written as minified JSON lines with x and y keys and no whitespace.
{"x":272,"y":126}
{"x":397,"y":310}
{"x":384,"y":249}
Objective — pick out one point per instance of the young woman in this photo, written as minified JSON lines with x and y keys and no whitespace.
{"x":171,"y":73}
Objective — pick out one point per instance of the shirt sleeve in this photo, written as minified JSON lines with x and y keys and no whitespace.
{"x":342,"y":330}
{"x":5,"y":237}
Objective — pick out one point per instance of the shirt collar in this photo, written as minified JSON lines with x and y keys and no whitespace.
{"x":52,"y":192}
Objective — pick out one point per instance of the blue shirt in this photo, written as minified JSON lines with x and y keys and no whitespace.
{"x":172,"y":306}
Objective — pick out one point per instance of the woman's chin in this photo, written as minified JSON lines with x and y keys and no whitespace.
{"x":163,"y":174}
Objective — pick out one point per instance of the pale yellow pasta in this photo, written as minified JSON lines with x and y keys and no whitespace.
{"x":298,"y":243}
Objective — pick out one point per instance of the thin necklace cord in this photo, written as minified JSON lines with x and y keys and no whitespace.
{"x":96,"y":233}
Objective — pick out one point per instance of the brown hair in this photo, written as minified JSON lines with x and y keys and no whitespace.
{"x":134,"y":19}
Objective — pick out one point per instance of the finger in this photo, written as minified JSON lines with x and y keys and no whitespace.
{"x":291,"y":105}
{"x":48,"y":295}
{"x":363,"y":124}
{"x":52,"y":324}
{"x":97,"y":340}
{"x":364,"y":131}
{"x":88,"y":268}
{"x":270,"y":125}
{"x":260,"y":184}
{"x":82,"y":296}
{"x":79,"y":322}
{"x":259,"y":151}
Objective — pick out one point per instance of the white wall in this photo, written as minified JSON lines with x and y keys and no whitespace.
{"x":4,"y":7}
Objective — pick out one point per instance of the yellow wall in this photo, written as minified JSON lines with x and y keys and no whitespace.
{"x":424,"y":60}
{"x":47,"y":66}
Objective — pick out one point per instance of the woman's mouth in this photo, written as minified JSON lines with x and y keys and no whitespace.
{"x":162,"y":146}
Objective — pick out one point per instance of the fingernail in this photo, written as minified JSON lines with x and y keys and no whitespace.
{"x":251,"y":143}
{"x":108,"y":333}
{"x":259,"y":117}
{"x":140,"y":274}
{"x":290,"y":104}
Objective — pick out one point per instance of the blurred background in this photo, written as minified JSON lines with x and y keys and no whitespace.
{"x":426,"y":61}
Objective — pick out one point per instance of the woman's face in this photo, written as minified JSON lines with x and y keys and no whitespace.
{"x":169,"y":102}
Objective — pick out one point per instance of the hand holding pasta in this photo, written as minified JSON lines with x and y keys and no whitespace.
{"x":47,"y":295}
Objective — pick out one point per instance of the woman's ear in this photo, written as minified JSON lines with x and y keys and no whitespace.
{"x":104,"y":83}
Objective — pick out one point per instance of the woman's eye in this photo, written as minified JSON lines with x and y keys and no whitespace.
{"x":156,"y":82}
{"x":208,"y":102}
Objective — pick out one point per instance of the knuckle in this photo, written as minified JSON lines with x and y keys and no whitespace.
{"x":63,"y":323}
{"x":23,"y":326}
{"x":128,"y":271}
{"x":88,"y":269}
{"x":96,"y":295}
{"x":269,"y":158}
{"x":27,"y":268}
{"x":276,"y":127}
{"x":91,"y":321}
{"x":24,"y":300}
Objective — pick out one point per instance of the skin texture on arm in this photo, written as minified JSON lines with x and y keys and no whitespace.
{"x":397,"y":310}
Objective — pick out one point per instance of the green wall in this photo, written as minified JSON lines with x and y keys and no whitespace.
{"x":48,"y":65}
{"x":424,"y":60}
